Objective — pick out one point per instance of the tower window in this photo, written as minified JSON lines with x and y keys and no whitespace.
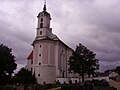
{"x":38,"y":74}
{"x":40,"y":55}
{"x":39,"y":63}
{"x":31,"y":61}
{"x":41,"y":19}
{"x":40,"y":46}
{"x":40,"y":32}
{"x":41,"y":25}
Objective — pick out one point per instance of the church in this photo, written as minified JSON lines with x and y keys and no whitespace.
{"x":49,"y":58}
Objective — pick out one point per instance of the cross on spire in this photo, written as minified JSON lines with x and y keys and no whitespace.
{"x":44,"y":2}
{"x":44,"y":8}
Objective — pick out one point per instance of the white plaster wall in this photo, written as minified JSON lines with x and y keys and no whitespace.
{"x":46,"y":20}
{"x":37,"y":50}
{"x":50,"y":59}
{"x":56,"y":58}
{"x":47,"y":69}
{"x":80,"y":79}
{"x":44,"y":32}
{"x":46,"y":25}
{"x":62,"y":80}
{"x":47,"y":74}
{"x":52,"y":54}
{"x":40,"y":51}
{"x":35,"y":54}
{"x":62,"y":62}
{"x":28,"y":66}
{"x":99,"y":78}
{"x":48,"y":52}
{"x":61,"y":59}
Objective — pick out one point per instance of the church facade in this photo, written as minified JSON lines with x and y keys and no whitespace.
{"x":49,"y":57}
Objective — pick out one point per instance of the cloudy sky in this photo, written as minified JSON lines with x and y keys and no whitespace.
{"x":94,"y":23}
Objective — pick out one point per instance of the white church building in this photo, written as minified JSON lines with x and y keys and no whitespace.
{"x":49,"y":57}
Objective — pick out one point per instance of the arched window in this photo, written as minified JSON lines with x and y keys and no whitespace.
{"x":38,"y":74}
{"x":40,"y":55}
{"x":40,"y":46}
{"x":41,"y":19}
{"x":31,"y":61}
{"x":40,"y":32}
{"x":39,"y":63}
{"x":41,"y":25}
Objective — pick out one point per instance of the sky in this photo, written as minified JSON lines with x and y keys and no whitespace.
{"x":94,"y":23}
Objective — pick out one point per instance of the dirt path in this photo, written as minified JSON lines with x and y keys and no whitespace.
{"x":114,"y":84}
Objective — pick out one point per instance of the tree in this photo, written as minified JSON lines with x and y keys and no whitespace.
{"x":83,"y":61}
{"x":24,"y":76}
{"x":117,"y":70}
{"x":7,"y":64}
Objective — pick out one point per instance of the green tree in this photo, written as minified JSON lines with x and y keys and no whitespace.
{"x":117,"y":70}
{"x":7,"y":64}
{"x":24,"y":76}
{"x":83,"y":61}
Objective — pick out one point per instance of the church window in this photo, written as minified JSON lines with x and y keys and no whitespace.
{"x":40,"y":55}
{"x":40,"y":32}
{"x":41,"y":19}
{"x":38,"y":74}
{"x":40,"y":46}
{"x":41,"y":25}
{"x":31,"y":61}
{"x":39,"y":63}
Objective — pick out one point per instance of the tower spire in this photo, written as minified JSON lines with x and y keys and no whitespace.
{"x":44,"y":8}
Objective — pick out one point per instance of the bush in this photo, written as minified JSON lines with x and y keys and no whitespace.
{"x":103,"y":83}
{"x":95,"y":82}
{"x":70,"y":81}
{"x":66,"y":87}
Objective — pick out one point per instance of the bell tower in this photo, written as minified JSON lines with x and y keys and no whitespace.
{"x":49,"y":57}
{"x":43,"y":26}
{"x":43,"y":49}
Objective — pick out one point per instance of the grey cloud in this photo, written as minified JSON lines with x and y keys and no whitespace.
{"x":94,"y":23}
{"x":103,"y":37}
{"x":105,"y":65}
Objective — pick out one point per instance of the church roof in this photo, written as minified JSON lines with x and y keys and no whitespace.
{"x":64,"y":44}
{"x":30,"y":55}
{"x":58,"y":40}
{"x":44,"y":12}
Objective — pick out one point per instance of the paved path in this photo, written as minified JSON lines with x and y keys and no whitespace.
{"x":115,"y":84}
